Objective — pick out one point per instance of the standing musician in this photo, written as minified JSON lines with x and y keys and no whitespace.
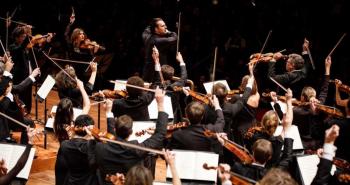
{"x":80,"y":47}
{"x":157,"y":35}
{"x":297,"y":68}
{"x":24,"y":61}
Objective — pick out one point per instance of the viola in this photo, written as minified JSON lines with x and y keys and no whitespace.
{"x":170,"y":129}
{"x":114,"y":94}
{"x":252,"y":131}
{"x":241,"y":152}
{"x":39,"y":39}
{"x":88,"y":44}
{"x":234,"y":178}
{"x":202,"y":98}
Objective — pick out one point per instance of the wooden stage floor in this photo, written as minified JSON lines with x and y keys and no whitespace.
{"x":43,"y":168}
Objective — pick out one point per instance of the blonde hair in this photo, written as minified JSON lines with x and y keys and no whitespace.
{"x":269,"y":122}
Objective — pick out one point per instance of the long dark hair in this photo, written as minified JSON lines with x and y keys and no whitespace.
{"x":63,"y":118}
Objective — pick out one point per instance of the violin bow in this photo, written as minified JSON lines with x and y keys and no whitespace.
{"x":263,"y":46}
{"x":14,"y":120}
{"x":89,"y":65}
{"x":336,"y":45}
{"x":64,"y":71}
{"x":178,"y":34}
{"x":136,"y":87}
{"x":278,"y":84}
{"x":214,"y":69}
{"x":310,"y":57}
{"x":3,"y":48}
{"x":17,"y":22}
{"x":8,"y":19}
{"x":71,"y":61}
{"x":138,"y":147}
{"x":33,"y":53}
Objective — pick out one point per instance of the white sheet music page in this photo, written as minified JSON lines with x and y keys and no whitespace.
{"x":294,"y":133}
{"x":153,"y":108}
{"x":46,"y":87}
{"x":139,"y":126}
{"x":49,"y":123}
{"x":209,"y":85}
{"x":189,"y":165}
{"x":308,"y":167}
{"x":11,"y":154}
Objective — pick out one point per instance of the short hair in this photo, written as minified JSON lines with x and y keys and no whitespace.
{"x":244,"y":84}
{"x":81,"y":121}
{"x":296,"y":60}
{"x":269,"y":122}
{"x":262,"y":150}
{"x":307,"y":93}
{"x":195,"y":112}
{"x":123,"y":126}
{"x":220,"y":91}
{"x":167,"y":71}
{"x":18,"y":31}
{"x":65,"y":81}
{"x":154,"y":24}
{"x":277,"y":176}
{"x":139,"y":175}
{"x":136,"y":81}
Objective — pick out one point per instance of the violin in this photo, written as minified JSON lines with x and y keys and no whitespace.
{"x":338,"y":162}
{"x":170,"y":129}
{"x":284,"y":99}
{"x":96,"y":133}
{"x":241,"y":152}
{"x":235,"y":178}
{"x":88,"y":44}
{"x":265,"y":57}
{"x":342,"y":87}
{"x":39,"y":40}
{"x":202,"y":98}
{"x":114,"y":94}
{"x":252,"y":131}
{"x":20,"y":105}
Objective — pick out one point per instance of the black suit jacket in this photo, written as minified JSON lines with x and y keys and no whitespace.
{"x":75,"y":154}
{"x":135,"y":107}
{"x":193,"y":138}
{"x":112,"y":158}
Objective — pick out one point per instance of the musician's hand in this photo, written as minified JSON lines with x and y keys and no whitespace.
{"x":117,"y":179}
{"x":277,"y":56}
{"x":31,"y":132}
{"x":224,"y":172}
{"x":251,"y":68}
{"x":289,"y":94}
{"x":49,"y":38}
{"x":337,"y":83}
{"x":36,"y":72}
{"x":273,"y":96}
{"x":93,"y":66}
{"x":80,"y":84}
{"x":319,"y":152}
{"x":169,"y":157}
{"x":179,"y":58}
{"x":8,"y":63}
{"x":220,"y":137}
{"x":3,"y":169}
{"x":159,"y":95}
{"x":306,"y":45}
{"x":331,"y":134}
{"x":155,"y":55}
{"x":72,"y":18}
{"x":185,"y":90}
{"x":109,"y":105}
{"x":327,"y":64}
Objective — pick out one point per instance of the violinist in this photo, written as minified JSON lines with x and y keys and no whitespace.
{"x":192,"y":137}
{"x":68,"y":88}
{"x":164,"y":77}
{"x":113,"y":158}
{"x":80,"y":47}
{"x":24,"y":61}
{"x":297,"y":68}
{"x":75,"y":153}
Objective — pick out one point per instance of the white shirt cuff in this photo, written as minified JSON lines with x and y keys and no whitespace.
{"x":109,"y":115}
{"x":8,"y":74}
{"x":182,"y":64}
{"x":250,"y":85}
{"x":304,"y":52}
{"x":10,"y":96}
{"x":329,"y":151}
{"x":157,"y":67}
{"x":32,"y":78}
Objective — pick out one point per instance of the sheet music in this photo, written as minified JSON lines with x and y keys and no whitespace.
{"x":308,"y":167}
{"x":209,"y":85}
{"x":161,"y":183}
{"x":153,"y":108}
{"x":49,"y":123}
{"x":189,"y":165}
{"x":294,"y":133}
{"x":46,"y":87}
{"x":121,"y":86}
{"x":139,"y":126}
{"x":11,"y":154}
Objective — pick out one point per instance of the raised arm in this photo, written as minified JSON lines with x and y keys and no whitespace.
{"x":86,"y":100}
{"x":93,"y":66}
{"x":170,"y":159}
{"x":340,"y":102}
{"x":324,"y":88}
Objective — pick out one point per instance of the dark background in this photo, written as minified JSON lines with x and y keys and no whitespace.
{"x":118,"y":25}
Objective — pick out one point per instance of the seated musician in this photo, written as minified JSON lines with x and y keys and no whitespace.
{"x":167,"y":73}
{"x":11,"y":105}
{"x":113,"y":158}
{"x":136,"y":103}
{"x":67,"y":87}
{"x":192,"y":137}
{"x":74,"y":154}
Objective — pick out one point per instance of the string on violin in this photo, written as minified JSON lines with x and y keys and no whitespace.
{"x":264,"y":45}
